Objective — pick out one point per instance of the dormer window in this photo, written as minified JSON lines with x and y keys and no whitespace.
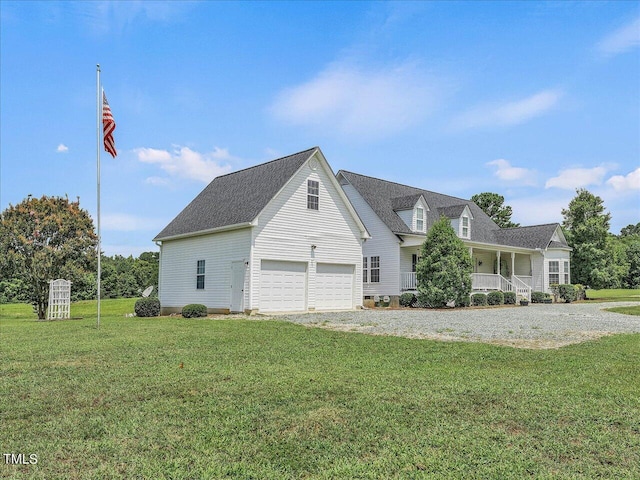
{"x":464,"y":226}
{"x":420,"y":219}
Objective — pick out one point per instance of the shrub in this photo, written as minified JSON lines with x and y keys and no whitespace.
{"x":495,"y":298}
{"x":538,"y":297}
{"x":464,"y":301}
{"x":194,"y":310}
{"x":407,"y":299}
{"x":567,"y":292}
{"x":478,"y":299}
{"x":147,"y":307}
{"x":509,"y":298}
{"x":581,"y":292}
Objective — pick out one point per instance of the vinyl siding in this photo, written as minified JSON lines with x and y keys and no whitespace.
{"x":286,"y":230}
{"x":178,"y":268}
{"x":383,"y":243}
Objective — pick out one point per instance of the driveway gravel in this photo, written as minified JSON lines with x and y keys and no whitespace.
{"x":533,"y":326}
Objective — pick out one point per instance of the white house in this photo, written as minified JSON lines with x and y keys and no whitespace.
{"x":398,"y":217}
{"x":280,"y":236}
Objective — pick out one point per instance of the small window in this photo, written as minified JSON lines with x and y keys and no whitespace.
{"x":414,"y":262}
{"x":313,"y":194}
{"x":465,"y":227}
{"x":420,"y":219}
{"x":554,"y":272}
{"x":375,"y":270}
{"x":566,"y":272}
{"x":365,"y":271}
{"x":200,"y":275}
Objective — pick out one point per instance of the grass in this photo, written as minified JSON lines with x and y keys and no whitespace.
{"x":614,"y":295}
{"x":201,"y":398}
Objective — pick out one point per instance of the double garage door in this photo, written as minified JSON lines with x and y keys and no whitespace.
{"x":284,"y":286}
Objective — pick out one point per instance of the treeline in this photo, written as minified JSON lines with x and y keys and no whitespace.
{"x":623,"y":252}
{"x":121,"y":277}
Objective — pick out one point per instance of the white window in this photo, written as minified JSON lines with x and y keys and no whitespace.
{"x":375,"y":270}
{"x":464,"y":227}
{"x":313,"y":194}
{"x":200,"y":275}
{"x":566,"y":272}
{"x":554,"y":272}
{"x":365,"y":271}
{"x":419,"y":219}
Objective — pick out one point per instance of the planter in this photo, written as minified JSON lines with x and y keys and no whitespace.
{"x":524,"y":303}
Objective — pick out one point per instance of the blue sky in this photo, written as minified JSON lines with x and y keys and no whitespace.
{"x":530,"y":100}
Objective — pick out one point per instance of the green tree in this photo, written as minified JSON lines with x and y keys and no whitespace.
{"x":493,"y":205}
{"x":444,"y":270}
{"x":630,"y":230}
{"x":586,"y":225}
{"x":45,"y":239}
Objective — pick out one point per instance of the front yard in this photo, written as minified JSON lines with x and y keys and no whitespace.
{"x":234,"y":398}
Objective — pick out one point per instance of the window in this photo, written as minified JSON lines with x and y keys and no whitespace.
{"x":200,"y":275}
{"x":414,"y":262}
{"x":419,"y":219}
{"x":554,"y":272}
{"x":375,"y":270}
{"x":365,"y":277}
{"x":566,"y":272}
{"x":313,"y":194}
{"x":465,"y":227}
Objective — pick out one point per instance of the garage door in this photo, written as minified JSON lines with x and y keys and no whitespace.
{"x":283,"y":286}
{"x":334,"y":286}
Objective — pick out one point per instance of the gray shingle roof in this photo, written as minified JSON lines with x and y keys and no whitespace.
{"x":405,"y":203}
{"x":235,"y":198}
{"x":382,"y":196}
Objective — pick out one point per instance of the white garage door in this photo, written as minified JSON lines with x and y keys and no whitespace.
{"x":283,"y":286}
{"x":334,"y":286}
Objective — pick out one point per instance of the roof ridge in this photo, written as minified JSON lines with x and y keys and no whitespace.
{"x":267,"y":162}
{"x":466,"y":200}
{"x":531,"y":226}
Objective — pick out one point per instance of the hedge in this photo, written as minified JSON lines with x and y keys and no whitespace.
{"x":495,"y":298}
{"x":509,"y":298}
{"x":478,"y":299}
{"x":147,"y":307}
{"x":194,"y":310}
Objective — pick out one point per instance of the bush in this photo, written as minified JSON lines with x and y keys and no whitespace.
{"x":147,"y":307}
{"x":194,"y":310}
{"x":567,"y":292}
{"x":509,"y":298}
{"x":464,"y":301}
{"x":478,"y":299}
{"x":407,"y":299}
{"x":538,"y":297}
{"x":495,"y":298}
{"x":581,"y":292}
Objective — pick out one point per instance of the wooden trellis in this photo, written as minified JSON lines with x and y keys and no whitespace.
{"x":59,"y":299}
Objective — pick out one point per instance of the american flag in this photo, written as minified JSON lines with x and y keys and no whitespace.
{"x":108,"y":126}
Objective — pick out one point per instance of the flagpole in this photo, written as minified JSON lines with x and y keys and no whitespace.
{"x":98,"y":121}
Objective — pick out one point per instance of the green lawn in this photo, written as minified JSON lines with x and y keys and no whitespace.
{"x":268,"y":399}
{"x":614,"y":295}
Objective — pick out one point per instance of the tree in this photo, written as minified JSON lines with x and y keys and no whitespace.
{"x":630,"y":230}
{"x":587,"y":228}
{"x":444,"y":269}
{"x":45,"y":239}
{"x":493,"y":205}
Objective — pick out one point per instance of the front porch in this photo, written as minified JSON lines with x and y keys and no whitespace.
{"x":493,"y":270}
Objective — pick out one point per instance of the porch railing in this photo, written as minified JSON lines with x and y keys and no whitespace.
{"x":408,"y":281}
{"x":521,"y":287}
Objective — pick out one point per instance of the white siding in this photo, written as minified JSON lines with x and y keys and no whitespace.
{"x":407,"y":217}
{"x":178,"y":270}
{"x":287,"y":230}
{"x":383,"y":243}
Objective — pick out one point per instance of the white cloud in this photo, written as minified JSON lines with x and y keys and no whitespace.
{"x":508,"y":173}
{"x":622,"y":40}
{"x":353,"y":101}
{"x":625,"y":183}
{"x":185,"y":163}
{"x":124,"y":222}
{"x":538,"y":210}
{"x":157,"y":181}
{"x":573,"y":178}
{"x":509,"y":113}
{"x":62,"y":148}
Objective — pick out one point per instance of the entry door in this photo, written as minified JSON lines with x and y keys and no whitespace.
{"x":237,"y":286}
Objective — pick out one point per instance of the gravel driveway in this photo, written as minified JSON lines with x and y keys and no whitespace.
{"x":534,"y":326}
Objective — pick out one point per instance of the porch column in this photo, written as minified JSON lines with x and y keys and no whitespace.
{"x":513,"y":264}
{"x":498,"y":262}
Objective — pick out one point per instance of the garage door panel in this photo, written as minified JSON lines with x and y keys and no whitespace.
{"x":334,"y":286}
{"x":283,"y":286}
